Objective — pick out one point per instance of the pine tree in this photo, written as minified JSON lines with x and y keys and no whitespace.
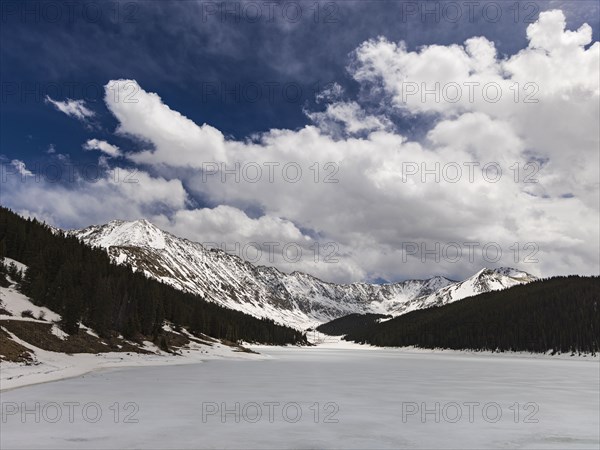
{"x":82,"y":284}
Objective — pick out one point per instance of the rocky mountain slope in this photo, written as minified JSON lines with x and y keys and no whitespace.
{"x":296,"y":299}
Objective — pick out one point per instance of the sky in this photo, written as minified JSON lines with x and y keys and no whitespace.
{"x":355,"y":140}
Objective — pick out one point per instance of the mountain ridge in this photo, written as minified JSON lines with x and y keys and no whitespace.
{"x":298,"y":299}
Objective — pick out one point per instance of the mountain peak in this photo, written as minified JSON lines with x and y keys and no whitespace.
{"x":145,"y":223}
{"x":117,"y":233}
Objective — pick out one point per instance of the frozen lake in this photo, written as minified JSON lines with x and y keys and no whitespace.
{"x":317,"y":398}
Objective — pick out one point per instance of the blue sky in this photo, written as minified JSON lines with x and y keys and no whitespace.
{"x":184,"y":51}
{"x":193,"y":57}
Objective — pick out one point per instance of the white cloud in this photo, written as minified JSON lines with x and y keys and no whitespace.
{"x":549,"y":33}
{"x":266,"y":240}
{"x":331,"y":93}
{"x":106,"y":148}
{"x":348,"y":118}
{"x":20,"y":168}
{"x":178,"y":141}
{"x":83,"y":200}
{"x":458,"y":78}
{"x":375,"y":203}
{"x":549,"y":94}
{"x":72,"y":108}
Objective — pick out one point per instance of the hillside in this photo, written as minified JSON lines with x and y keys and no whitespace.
{"x":560,"y":314}
{"x":82,"y":285}
{"x":351,"y":323}
{"x":295,"y":299}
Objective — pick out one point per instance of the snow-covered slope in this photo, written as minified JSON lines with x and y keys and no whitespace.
{"x":483,"y":281}
{"x":297,"y":299}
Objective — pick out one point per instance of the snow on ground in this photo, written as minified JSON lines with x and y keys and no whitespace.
{"x":16,"y":303}
{"x":317,"y":397}
{"x":336,"y":394}
{"x":56,"y":331}
{"x":53,"y":366}
{"x":20,"y":266}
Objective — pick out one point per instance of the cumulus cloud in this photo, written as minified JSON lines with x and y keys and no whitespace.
{"x":553,"y":83}
{"x":490,"y":173}
{"x":80,"y":200}
{"x":103,"y":146}
{"x":471,"y":77}
{"x":72,"y":108}
{"x":265,"y":240}
{"x":177,"y":140}
{"x":20,"y":168}
{"x":348,"y":118}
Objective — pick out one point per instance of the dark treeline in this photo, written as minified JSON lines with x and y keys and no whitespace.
{"x":82,"y":285}
{"x":350,"y":323}
{"x":560,"y":314}
{"x":3,"y":273}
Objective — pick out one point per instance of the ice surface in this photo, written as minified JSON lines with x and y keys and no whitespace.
{"x":367,"y":388}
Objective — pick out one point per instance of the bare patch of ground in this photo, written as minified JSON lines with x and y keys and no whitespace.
{"x":13,"y":351}
{"x":40,"y":335}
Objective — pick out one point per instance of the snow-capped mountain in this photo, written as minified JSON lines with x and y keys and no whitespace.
{"x":483,"y":281}
{"x":297,"y":299}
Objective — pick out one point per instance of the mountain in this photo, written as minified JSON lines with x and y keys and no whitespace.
{"x":296,"y":299}
{"x":83,"y":286}
{"x":558,"y":314}
{"x":485,"y":280}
